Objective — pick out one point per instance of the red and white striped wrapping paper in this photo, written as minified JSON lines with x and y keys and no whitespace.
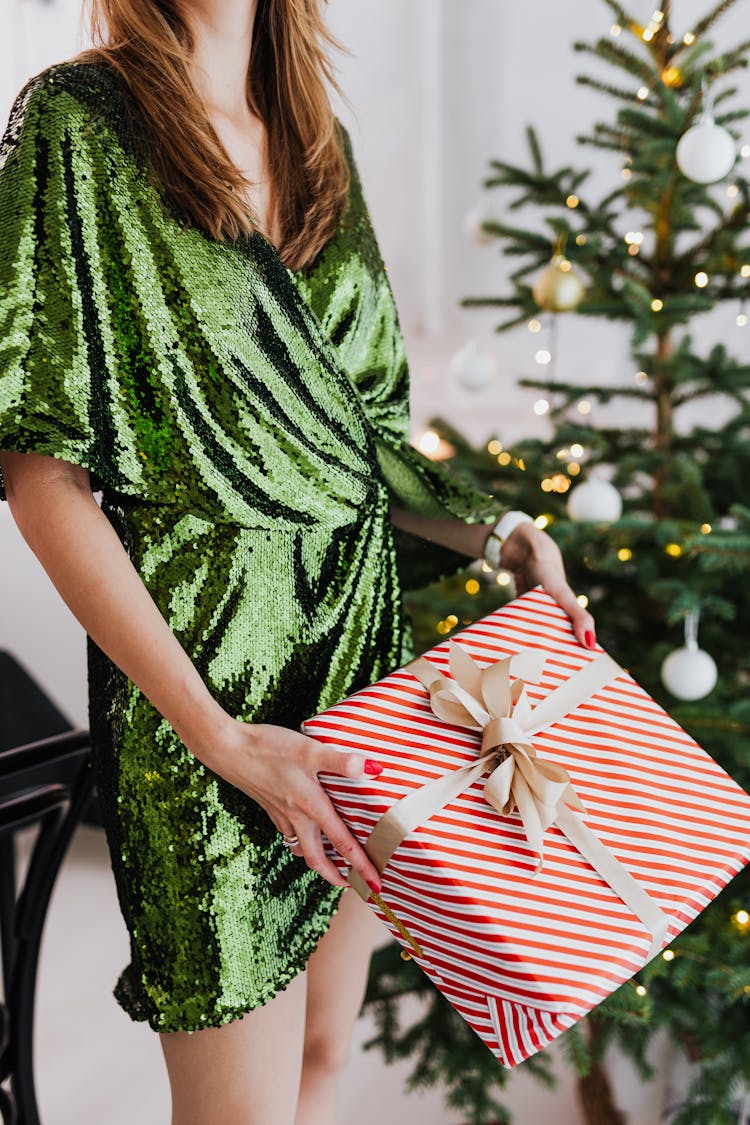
{"x":522,"y":957}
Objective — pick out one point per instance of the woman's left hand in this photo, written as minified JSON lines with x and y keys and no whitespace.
{"x":534,"y":559}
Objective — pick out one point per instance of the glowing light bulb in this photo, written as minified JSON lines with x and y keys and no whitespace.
{"x":624,"y":554}
{"x":584,"y":406}
{"x":641,"y":990}
{"x":582,"y":600}
{"x":741,"y":320}
{"x":541,"y":522}
{"x":733,"y":191}
{"x":503,"y":578}
{"x":641,"y":377}
{"x":543,"y":357}
{"x":657,"y":304}
{"x":742,"y":918}
{"x":576,"y":449}
{"x":688,"y":39}
{"x":642,"y":93}
{"x":541,"y":406}
{"x":706,"y":528}
{"x":535,"y":325}
{"x":615,"y":30}
{"x":671,"y":76}
{"x":429,"y":441}
{"x":668,"y":954}
{"x":745,"y":270}
{"x":745,"y":152}
{"x":503,"y":458}
{"x":494,"y":447}
{"x":472,"y":586}
{"x":580,"y":240}
{"x":674,"y":550}
{"x":701,"y":279}
{"x":572,"y":201}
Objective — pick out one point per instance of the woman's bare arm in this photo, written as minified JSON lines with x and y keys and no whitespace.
{"x":56,"y":513}
{"x":528,"y":553}
{"x":467,"y":538}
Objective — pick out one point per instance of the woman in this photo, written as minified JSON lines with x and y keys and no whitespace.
{"x":197,"y":322}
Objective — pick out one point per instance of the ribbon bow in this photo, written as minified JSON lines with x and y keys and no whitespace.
{"x":485,"y":699}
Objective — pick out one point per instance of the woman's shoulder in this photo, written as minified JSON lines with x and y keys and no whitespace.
{"x":69,"y":97}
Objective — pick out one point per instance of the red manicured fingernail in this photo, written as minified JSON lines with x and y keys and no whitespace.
{"x":374,"y":887}
{"x":373,"y":768}
{"x":590,"y":638}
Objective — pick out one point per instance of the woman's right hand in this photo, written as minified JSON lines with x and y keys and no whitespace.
{"x":278,"y":768}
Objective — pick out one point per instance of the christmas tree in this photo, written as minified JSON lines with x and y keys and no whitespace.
{"x":649,"y":510}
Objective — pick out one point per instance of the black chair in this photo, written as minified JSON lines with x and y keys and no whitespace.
{"x":46,"y":781}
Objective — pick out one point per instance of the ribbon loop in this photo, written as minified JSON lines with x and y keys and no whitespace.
{"x":486,"y":699}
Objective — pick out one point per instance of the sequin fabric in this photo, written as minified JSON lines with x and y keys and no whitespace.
{"x":247,"y":427}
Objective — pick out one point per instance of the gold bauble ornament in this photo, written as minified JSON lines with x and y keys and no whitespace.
{"x":558,"y":288}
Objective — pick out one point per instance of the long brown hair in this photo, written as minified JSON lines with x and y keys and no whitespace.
{"x":150,"y":44}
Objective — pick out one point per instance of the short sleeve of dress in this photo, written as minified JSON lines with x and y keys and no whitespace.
{"x":415,"y":482}
{"x":54,"y":397}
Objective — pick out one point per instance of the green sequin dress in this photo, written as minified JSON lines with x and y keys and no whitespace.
{"x":247,"y":427}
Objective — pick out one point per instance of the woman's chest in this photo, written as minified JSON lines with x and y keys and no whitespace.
{"x":246,"y":146}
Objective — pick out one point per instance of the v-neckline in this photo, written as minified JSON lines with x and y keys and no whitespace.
{"x":301,"y":271}
{"x":258,"y":246}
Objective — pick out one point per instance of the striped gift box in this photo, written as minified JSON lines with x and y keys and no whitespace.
{"x":523,"y":954}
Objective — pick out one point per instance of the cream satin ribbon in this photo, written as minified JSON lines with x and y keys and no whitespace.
{"x":484,"y":699}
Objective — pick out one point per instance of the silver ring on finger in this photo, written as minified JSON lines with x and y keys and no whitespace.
{"x":290,"y":841}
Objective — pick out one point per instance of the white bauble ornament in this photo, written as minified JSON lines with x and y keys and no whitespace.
{"x":689,"y":673}
{"x":558,"y":288}
{"x":471,"y":224}
{"x":473,"y":367}
{"x":706,"y":152}
{"x":594,"y":501}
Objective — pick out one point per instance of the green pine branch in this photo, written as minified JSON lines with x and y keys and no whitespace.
{"x":705,"y":24}
{"x":618,"y":56}
{"x":604,"y":87}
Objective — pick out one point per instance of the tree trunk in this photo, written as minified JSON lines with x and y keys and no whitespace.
{"x":595,"y":1092}
{"x":664,"y":431}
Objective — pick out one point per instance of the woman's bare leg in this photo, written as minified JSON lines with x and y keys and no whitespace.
{"x":246,"y":1072}
{"x":336,"y":980}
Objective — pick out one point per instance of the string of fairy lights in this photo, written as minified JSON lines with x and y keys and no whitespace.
{"x":740,"y":923}
{"x":706,"y":153}
{"x":573,"y":457}
{"x":543,"y":327}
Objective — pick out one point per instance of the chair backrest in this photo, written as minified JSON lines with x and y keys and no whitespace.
{"x":26,"y":711}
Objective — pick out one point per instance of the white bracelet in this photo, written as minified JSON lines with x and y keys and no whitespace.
{"x":507,"y":523}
